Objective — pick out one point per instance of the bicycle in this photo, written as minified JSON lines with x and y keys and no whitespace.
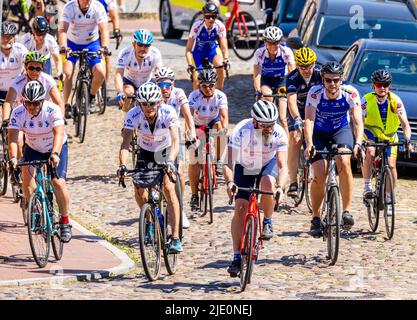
{"x":331,"y":214}
{"x":81,"y":108}
{"x":207,"y":65}
{"x":43,"y":220}
{"x":250,"y":243}
{"x":242,"y":31}
{"x":381,"y":198}
{"x":154,"y":224}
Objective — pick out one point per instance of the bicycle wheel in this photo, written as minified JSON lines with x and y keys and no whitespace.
{"x":301,"y":178}
{"x":38,"y":230}
{"x":307,"y":181}
{"x":389,"y":203}
{"x":373,"y":213}
{"x":102,"y":98}
{"x":246,"y":253}
{"x":210,"y":172}
{"x":169,"y":258}
{"x":57,"y":244}
{"x":16,"y":193}
{"x":83,"y":106}
{"x":3,"y":177}
{"x":150,"y":241}
{"x":136,"y":6}
{"x":180,"y":202}
{"x":24,"y":209}
{"x":333,"y":218}
{"x":244,"y":35}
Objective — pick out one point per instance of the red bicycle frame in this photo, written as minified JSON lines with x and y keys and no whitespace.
{"x":253,"y":211}
{"x":239,"y":18}
{"x":206,"y":167}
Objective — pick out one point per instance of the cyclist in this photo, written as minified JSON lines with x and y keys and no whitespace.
{"x":383,"y":112}
{"x":40,"y":40}
{"x":206,"y":36}
{"x":176,"y":97}
{"x":157,"y":128}
{"x":83,"y":26}
{"x":135,"y":66}
{"x":111,"y":8}
{"x":43,"y":126}
{"x":210,"y":109}
{"x":298,"y":82}
{"x":258,"y":147}
{"x":12,"y":55}
{"x":328,"y":122}
{"x":271,"y":64}
{"x":229,"y":3}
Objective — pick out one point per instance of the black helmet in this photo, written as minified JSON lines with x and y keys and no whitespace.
{"x":331,"y":67}
{"x":40,"y":25}
{"x":381,"y":76}
{"x":210,"y":7}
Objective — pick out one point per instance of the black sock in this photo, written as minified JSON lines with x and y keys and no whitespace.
{"x":92,"y":97}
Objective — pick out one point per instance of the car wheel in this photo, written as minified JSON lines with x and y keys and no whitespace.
{"x":165,"y":18}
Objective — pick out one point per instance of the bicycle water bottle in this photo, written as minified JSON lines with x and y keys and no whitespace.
{"x":333,"y":174}
{"x":160,"y":217}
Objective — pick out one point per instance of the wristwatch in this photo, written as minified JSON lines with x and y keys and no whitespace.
{"x":56,"y":153}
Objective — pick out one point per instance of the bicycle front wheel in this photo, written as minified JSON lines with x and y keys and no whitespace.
{"x":246,"y":253}
{"x":210,"y":189}
{"x":3,"y":177}
{"x":102,"y":98}
{"x":170,"y":259}
{"x":150,"y":241}
{"x":83,"y":106}
{"x":333,"y":225}
{"x":301,"y":180}
{"x":244,"y":35}
{"x":308,"y":179}
{"x":373,"y":213}
{"x":57,"y":244}
{"x":38,"y":230}
{"x":389,"y":202}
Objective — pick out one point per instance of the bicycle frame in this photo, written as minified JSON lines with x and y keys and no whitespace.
{"x":253,"y":211}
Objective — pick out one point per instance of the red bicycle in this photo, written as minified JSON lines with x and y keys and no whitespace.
{"x":250,"y":243}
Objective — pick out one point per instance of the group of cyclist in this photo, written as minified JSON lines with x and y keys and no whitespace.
{"x":264,"y":149}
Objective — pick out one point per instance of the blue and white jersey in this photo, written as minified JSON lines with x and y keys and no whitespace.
{"x":11,"y":67}
{"x":332,"y":114}
{"x":49,"y":46}
{"x":206,"y":110}
{"x":277,"y":67}
{"x":206,"y":40}
{"x":108,"y":4}
{"x":177,"y":99}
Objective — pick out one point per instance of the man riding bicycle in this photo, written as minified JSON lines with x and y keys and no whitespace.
{"x":210,"y":110}
{"x":157,"y":126}
{"x":258,"y":147}
{"x":271,"y":64}
{"x":135,"y":66}
{"x":44,"y":129}
{"x":298,"y":82}
{"x":206,"y":36}
{"x":383,"y":112}
{"x":83,"y":26}
{"x":327,"y":123}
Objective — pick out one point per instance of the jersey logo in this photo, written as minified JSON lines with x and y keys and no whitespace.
{"x":313,"y":95}
{"x":12,"y":59}
{"x":46,"y":124}
{"x":354,"y":95}
{"x":31,"y":124}
{"x":13,"y":121}
{"x":40,"y":125}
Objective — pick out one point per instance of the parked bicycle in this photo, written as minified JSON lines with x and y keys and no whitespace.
{"x":154,"y":220}
{"x":42,"y":216}
{"x":383,"y":195}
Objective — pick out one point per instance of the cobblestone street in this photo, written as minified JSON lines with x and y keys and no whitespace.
{"x":292,"y":264}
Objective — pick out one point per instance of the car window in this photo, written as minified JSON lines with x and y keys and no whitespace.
{"x":336,"y":31}
{"x":293,"y":10}
{"x":310,"y":26}
{"x":402,"y":66}
{"x":311,"y":11}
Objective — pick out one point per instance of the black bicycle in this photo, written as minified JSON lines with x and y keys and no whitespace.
{"x":81,"y":107}
{"x":383,"y":195}
{"x":154,"y":221}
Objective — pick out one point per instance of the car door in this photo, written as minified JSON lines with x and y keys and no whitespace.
{"x":184,"y":11}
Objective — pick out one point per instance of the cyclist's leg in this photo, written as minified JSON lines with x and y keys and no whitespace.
{"x":294,"y":147}
{"x":97,"y":68}
{"x":216,"y":58}
{"x":267,"y":87}
{"x":28,"y":172}
{"x":282,"y":106}
{"x":68,"y":69}
{"x":129,"y":90}
{"x":267,"y":181}
{"x":367,"y":163}
{"x":61,"y":190}
{"x":173,"y":205}
{"x":198,"y":58}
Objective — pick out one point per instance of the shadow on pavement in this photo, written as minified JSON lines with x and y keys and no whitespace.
{"x":12,"y":227}
{"x":219,"y":264}
{"x":213,"y":286}
{"x":18,"y":260}
{"x":101,"y":178}
{"x":86,"y":238}
{"x":127,"y":222}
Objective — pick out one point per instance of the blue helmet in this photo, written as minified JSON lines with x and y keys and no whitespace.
{"x":143,"y":36}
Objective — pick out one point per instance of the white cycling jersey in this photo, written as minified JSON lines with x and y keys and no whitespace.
{"x":253,"y":152}
{"x":11,"y":67}
{"x":137,"y":73}
{"x":83,"y":28}
{"x":160,"y":138}
{"x":177,"y":99}
{"x":47,"y":81}
{"x":38,"y":130}
{"x":49,"y":46}
{"x":206,"y":110}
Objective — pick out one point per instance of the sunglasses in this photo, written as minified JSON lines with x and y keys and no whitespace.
{"x":38,"y":69}
{"x":330,"y":80}
{"x":141,"y":45}
{"x":164,"y":84}
{"x":380,"y":85}
{"x":309,"y":67}
{"x":148,"y":104}
{"x":210,"y":16}
{"x":40,"y":34}
{"x":33,"y":103}
{"x":266,"y":125}
{"x":272,"y":43}
{"x":210,"y":85}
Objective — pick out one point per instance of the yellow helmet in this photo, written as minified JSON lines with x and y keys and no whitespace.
{"x":305,"y":56}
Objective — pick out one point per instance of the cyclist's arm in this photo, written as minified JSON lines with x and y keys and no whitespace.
{"x":224,"y":47}
{"x":56,"y":98}
{"x":173,"y":154}
{"x":7,"y":106}
{"x":58,"y":62}
{"x":357,"y":123}
{"x":188,"y":53}
{"x":124,"y":148}
{"x":104,"y":34}
{"x":290,"y":67}
{"x":13,"y":141}
{"x":59,"y":132}
{"x":292,"y":105}
{"x":309,"y":124}
{"x":114,"y":19}
{"x":229,"y":156}
{"x":282,"y":111}
{"x":62,"y":35}
{"x":39,"y":7}
{"x":282,"y":163}
{"x":189,"y":120}
{"x":404,"y":122}
{"x":224,"y":117}
{"x":257,"y":69}
{"x":118,"y":80}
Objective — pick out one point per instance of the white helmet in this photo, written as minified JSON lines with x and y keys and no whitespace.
{"x":164,"y":73}
{"x":272,"y":33}
{"x":264,"y":111}
{"x":148,"y":92}
{"x":33,"y":91}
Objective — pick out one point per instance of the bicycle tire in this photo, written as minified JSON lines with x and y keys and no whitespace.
{"x":24,"y":209}
{"x":38,"y":231}
{"x":4,"y":176}
{"x":373,"y":213}
{"x":246,"y":253}
{"x":180,"y":202}
{"x":301,"y":178}
{"x":137,"y":6}
{"x":15,"y":193}
{"x":170,"y":259}
{"x":57,"y":244}
{"x":333,"y":225}
{"x":102,"y":98}
{"x":83,"y":108}
{"x":147,"y":213}
{"x":210,"y":172}
{"x":307,"y":188}
{"x":240,"y":36}
{"x":389,"y":216}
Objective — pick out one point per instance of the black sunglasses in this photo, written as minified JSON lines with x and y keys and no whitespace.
{"x":148,"y":104}
{"x":210,"y":16}
{"x":143,"y":45}
{"x":38,"y":69}
{"x":330,"y":80}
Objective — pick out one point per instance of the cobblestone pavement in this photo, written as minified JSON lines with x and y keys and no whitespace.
{"x":291,"y":266}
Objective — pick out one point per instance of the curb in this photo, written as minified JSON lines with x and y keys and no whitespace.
{"x":139,"y":15}
{"x":125,"y":266}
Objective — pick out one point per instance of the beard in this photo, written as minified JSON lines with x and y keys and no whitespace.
{"x":266,"y":137}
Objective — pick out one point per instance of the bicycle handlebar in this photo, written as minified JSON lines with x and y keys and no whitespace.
{"x":235,"y":189}
{"x":155,"y":167}
{"x":38,"y":163}
{"x":86,"y":52}
{"x":386,"y":144}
